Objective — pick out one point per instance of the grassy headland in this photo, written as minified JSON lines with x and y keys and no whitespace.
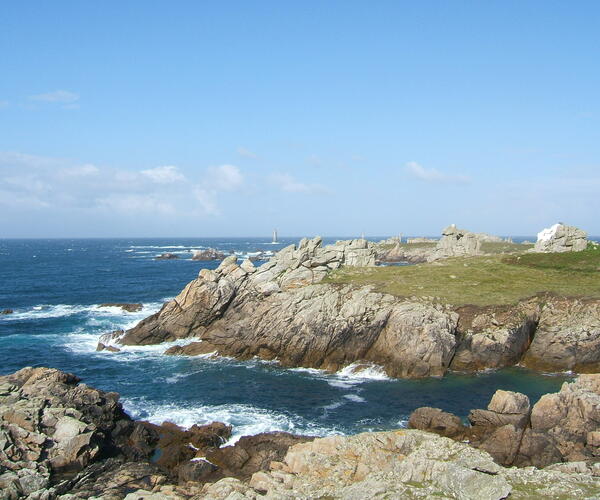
{"x":486,"y":280}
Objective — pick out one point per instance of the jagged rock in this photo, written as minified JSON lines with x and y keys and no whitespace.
{"x":125,"y":306}
{"x":208,"y":254}
{"x":561,"y":238}
{"x":52,"y":428}
{"x":6,"y":311}
{"x":166,"y":256}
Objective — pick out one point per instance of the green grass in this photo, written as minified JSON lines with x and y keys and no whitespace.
{"x":486,"y":280}
{"x":503,"y":247}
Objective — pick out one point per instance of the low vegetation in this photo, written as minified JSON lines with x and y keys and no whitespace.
{"x":487,"y":280}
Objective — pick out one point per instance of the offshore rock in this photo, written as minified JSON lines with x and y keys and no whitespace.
{"x":166,"y":256}
{"x":208,"y":254}
{"x":127,"y":307}
{"x":561,"y":238}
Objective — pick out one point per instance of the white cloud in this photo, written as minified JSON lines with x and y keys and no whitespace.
{"x":434,"y":176}
{"x":36,"y":181}
{"x":225,"y":178}
{"x":289,"y":184}
{"x":246,"y":153}
{"x":207,"y":200}
{"x":58,"y":96}
{"x":80,"y":171}
{"x":166,"y":174}
{"x":129,"y":204}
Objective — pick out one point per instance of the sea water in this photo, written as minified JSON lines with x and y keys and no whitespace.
{"x":55,"y":288}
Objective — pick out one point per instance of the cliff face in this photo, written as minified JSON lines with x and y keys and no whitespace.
{"x":282,"y":311}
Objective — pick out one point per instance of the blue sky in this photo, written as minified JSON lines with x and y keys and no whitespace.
{"x":334,"y":118}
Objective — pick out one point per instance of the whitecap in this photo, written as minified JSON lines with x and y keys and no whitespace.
{"x":246,"y":419}
{"x":355,"y":398}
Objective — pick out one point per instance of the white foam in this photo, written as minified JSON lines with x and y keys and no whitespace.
{"x":355,"y":398}
{"x":246,"y":419}
{"x":362,"y":372}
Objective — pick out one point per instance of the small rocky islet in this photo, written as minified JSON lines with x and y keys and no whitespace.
{"x":329,"y":307}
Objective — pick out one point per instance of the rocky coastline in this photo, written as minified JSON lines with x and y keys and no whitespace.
{"x":285,"y":310}
{"x":60,"y":439}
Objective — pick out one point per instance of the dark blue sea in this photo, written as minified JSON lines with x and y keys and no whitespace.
{"x":55,"y":287}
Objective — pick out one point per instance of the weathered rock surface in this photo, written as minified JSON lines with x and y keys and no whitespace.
{"x":52,"y":428}
{"x":567,"y":337}
{"x":400,"y":464}
{"x":124,"y":305}
{"x":561,"y":427}
{"x":561,"y":238}
{"x":208,"y":254}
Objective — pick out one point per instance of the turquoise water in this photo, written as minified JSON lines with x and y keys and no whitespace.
{"x":55,"y":286}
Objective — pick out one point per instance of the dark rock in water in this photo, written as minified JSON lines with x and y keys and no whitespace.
{"x":178,"y":446}
{"x":208,"y":254}
{"x":438,"y":421}
{"x":166,"y":256}
{"x":124,"y":305}
{"x":6,"y":311}
{"x":109,"y":348}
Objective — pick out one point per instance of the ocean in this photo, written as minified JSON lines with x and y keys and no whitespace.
{"x":55,"y":288}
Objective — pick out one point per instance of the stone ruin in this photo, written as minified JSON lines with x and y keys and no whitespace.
{"x":561,"y":238}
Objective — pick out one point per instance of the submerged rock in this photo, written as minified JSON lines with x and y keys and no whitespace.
{"x":6,"y":311}
{"x":128,"y":307}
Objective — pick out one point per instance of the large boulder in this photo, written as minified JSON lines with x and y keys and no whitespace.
{"x":561,"y":238}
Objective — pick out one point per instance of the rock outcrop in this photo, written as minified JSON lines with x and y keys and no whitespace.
{"x":400,"y":464}
{"x":561,"y":427}
{"x":456,"y":242}
{"x":6,"y":311}
{"x":283,"y":310}
{"x":208,"y":254}
{"x":561,"y":238}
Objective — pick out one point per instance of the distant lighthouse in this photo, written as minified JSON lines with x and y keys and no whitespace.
{"x":274,"y":237}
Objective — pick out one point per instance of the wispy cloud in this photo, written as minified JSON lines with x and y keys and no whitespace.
{"x":289,"y":184}
{"x":167,"y":174}
{"x":60,"y":96}
{"x":225,"y":178}
{"x":4,"y":104}
{"x":246,"y":153}
{"x":433,"y":175}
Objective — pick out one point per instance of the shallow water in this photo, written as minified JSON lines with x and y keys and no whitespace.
{"x":55,"y":286}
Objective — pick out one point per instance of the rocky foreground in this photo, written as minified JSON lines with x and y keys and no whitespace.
{"x":62,"y":439}
{"x":283,"y":310}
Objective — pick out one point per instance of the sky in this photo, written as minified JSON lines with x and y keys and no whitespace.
{"x":232,"y":118}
